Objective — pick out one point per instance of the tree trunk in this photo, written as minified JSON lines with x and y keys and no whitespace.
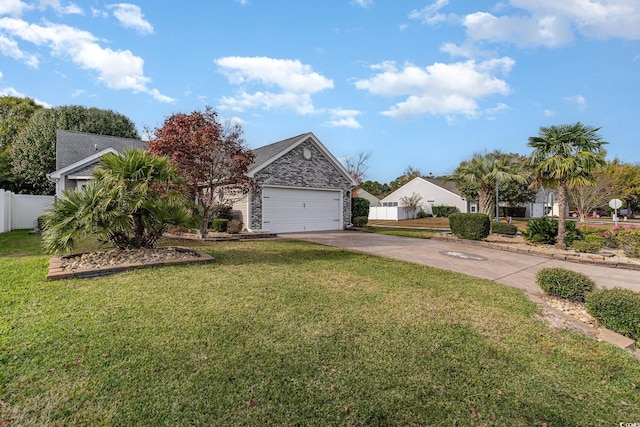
{"x":486,"y":202}
{"x":562,"y":208}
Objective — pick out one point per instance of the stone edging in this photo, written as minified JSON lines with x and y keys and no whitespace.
{"x":57,"y":273}
{"x":600,"y":334}
{"x":581,"y":259}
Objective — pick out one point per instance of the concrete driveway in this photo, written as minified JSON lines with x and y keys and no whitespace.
{"x":512,"y":269}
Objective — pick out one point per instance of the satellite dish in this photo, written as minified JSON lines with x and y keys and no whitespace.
{"x":615,"y":203}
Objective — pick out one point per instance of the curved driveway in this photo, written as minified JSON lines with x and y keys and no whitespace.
{"x":512,"y":269}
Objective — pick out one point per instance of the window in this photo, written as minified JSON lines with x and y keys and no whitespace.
{"x":473,"y":208}
{"x":389,"y":204}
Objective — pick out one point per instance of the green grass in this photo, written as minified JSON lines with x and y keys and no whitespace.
{"x":292,"y":333}
{"x":417,"y":234}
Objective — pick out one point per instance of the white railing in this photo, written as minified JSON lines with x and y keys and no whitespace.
{"x":21,"y":211}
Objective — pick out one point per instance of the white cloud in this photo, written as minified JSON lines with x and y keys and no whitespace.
{"x":343,"y":118}
{"x":439,"y":89}
{"x":553,"y":23}
{"x":578,"y":100}
{"x":13,"y":7}
{"x":131,"y":16}
{"x":592,"y":18}
{"x":549,"y":113}
{"x":292,"y":81}
{"x":363,"y":3}
{"x":547,"y":31}
{"x":430,"y":14}
{"x":243,"y":2}
{"x":69,"y":9}
{"x":10,"y":48}
{"x":117,"y":69}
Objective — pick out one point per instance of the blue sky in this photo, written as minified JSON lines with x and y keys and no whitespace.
{"x":420,"y":83}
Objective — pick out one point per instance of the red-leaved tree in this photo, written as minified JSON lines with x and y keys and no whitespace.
{"x":211,"y":158}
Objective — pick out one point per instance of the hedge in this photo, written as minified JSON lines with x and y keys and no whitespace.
{"x":503,"y":228}
{"x":617,"y":309}
{"x":565,"y":283}
{"x":470,"y":226}
{"x":359,"y":207}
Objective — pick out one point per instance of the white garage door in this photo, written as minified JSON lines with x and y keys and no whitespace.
{"x":287,"y":210}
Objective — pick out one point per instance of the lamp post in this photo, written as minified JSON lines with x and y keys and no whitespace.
{"x":497,"y":201}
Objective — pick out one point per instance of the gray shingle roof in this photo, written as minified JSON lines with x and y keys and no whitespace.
{"x":447,"y":185}
{"x":73,"y":146}
{"x":265,"y":153}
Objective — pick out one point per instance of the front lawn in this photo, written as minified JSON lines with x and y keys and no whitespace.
{"x":292,"y":333}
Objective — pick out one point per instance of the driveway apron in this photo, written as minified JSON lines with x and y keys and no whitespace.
{"x":508,"y":268}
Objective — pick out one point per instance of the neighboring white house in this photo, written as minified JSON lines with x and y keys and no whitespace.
{"x":434,"y":192}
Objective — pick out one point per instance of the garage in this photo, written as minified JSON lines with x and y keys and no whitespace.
{"x":287,"y":210}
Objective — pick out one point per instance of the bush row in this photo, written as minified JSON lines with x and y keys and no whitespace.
{"x":617,"y":309}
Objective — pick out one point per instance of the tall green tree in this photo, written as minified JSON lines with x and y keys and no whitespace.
{"x":33,"y":153}
{"x":15,"y":113}
{"x":130,"y":203}
{"x":409,"y":173}
{"x":566,"y":156}
{"x":479,"y":176}
{"x":626,"y":178}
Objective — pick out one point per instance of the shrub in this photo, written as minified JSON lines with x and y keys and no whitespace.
{"x":443,"y":211}
{"x":422,"y":214}
{"x":617,"y":309}
{"x":592,"y":243}
{"x":513,"y":211}
{"x":222,"y":211}
{"x":565,"y":283}
{"x":219,"y":225}
{"x":359,"y":207}
{"x":471,"y":226}
{"x":360,"y":221}
{"x":503,"y":228}
{"x":544,"y":230}
{"x":541,"y":230}
{"x":627,"y":238}
{"x":234,"y":226}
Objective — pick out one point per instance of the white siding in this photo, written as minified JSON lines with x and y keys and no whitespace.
{"x":432,"y":195}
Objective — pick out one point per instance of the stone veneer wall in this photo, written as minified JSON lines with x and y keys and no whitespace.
{"x":293,"y":170}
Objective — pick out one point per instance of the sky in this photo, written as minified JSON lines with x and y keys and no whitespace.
{"x":414,"y":83}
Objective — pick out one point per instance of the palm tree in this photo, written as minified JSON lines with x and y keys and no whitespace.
{"x":130,"y":203}
{"x":479,"y":176}
{"x":566,"y":156}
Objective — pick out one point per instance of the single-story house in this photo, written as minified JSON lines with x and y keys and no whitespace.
{"x":301,"y":185}
{"x":434,"y":192}
{"x":78,"y":154}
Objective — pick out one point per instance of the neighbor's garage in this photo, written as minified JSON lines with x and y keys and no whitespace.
{"x":288,"y":210}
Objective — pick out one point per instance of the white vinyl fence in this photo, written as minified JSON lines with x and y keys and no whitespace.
{"x":19,"y":211}
{"x":393,"y":213}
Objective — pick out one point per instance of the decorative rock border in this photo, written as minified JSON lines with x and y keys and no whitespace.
{"x":564,"y":321}
{"x":57,"y":273}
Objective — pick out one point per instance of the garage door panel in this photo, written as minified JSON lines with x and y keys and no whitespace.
{"x":290,"y":210}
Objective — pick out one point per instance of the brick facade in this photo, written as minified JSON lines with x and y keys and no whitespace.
{"x":293,"y":170}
